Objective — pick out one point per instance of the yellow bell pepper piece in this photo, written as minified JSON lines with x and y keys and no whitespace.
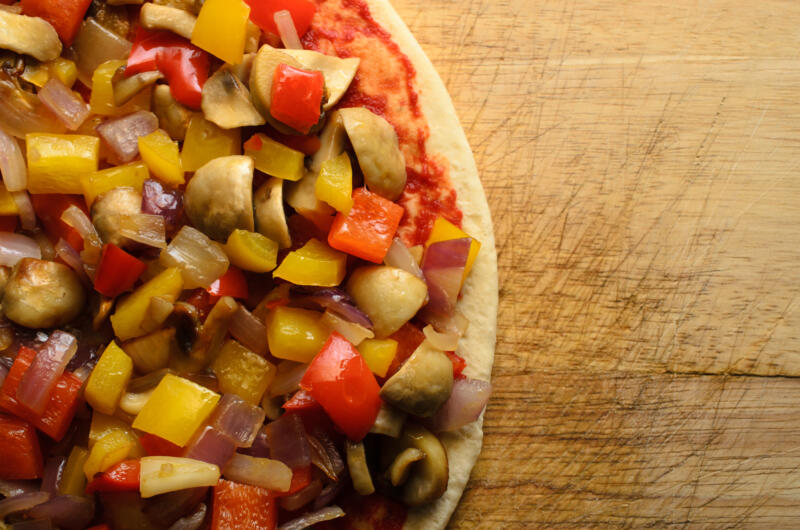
{"x":57,"y":161}
{"x":206,"y":141}
{"x":64,"y":70}
{"x":162,"y":474}
{"x":379,"y":354}
{"x":176,"y":409}
{"x":274,"y":158}
{"x":251,"y":251}
{"x":221,"y":29}
{"x":73,"y":481}
{"x":36,"y":74}
{"x":130,"y":175}
{"x":102,"y":424}
{"x":295,"y":334}
{"x":444,"y":230}
{"x":130,"y":319}
{"x":108,"y":379}
{"x":7,"y":204}
{"x":315,"y":263}
{"x":102,"y":98}
{"x":335,"y":183}
{"x":161,"y":155}
{"x":242,"y":372}
{"x":109,"y":450}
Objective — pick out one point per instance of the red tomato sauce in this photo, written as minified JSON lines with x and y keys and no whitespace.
{"x":386,"y":85}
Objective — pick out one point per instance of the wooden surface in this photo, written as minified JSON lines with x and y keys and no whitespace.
{"x":640,"y":160}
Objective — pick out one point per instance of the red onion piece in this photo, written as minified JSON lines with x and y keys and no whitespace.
{"x":260,"y":447}
{"x":92,"y":246}
{"x":467,"y":400}
{"x":168,"y":508}
{"x":122,"y":134}
{"x":237,"y":419}
{"x":33,"y":524}
{"x":22,"y":502}
{"x":287,"y":30}
{"x":443,"y":267}
{"x":310,"y":519}
{"x":297,"y":500}
{"x":68,"y":106}
{"x":249,"y":331}
{"x":328,"y":494}
{"x":288,"y":378}
{"x":339,"y":302}
{"x":192,"y":521}
{"x":288,"y":442}
{"x":321,"y":457}
{"x":21,"y":112}
{"x":71,"y":257}
{"x":212,"y":446}
{"x":14,"y":247}
{"x":95,"y":44}
{"x":166,"y":202}
{"x":27,"y":215}
{"x":52,"y":474}
{"x":66,"y":511}
{"x":12,"y":488}
{"x":400,"y":257}
{"x":39,"y":379}
{"x":12,"y":164}
{"x":3,"y":374}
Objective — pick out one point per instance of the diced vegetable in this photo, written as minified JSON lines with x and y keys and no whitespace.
{"x":315,"y":263}
{"x":152,"y":352}
{"x":296,"y":98}
{"x":251,"y":251}
{"x":340,"y":380}
{"x":295,"y":334}
{"x":94,"y":45}
{"x":130,"y":318}
{"x":263,"y":13}
{"x":366,"y":231}
{"x":20,"y":456}
{"x":211,"y":446}
{"x":48,"y":365}
{"x":109,"y":450}
{"x":121,"y":135}
{"x":59,"y":411}
{"x":263,"y":472}
{"x":131,"y":175}
{"x":200,"y":260}
{"x":161,"y":155}
{"x":378,"y":354}
{"x":64,"y":70}
{"x":243,"y":507}
{"x":12,"y":164}
{"x":176,"y":409}
{"x":242,"y":372}
{"x":274,"y":158}
{"x":205,"y":141}
{"x":221,"y":29}
{"x":64,"y":15}
{"x":238,"y":419}
{"x":156,"y":446}
{"x":102,"y":99}
{"x":49,"y":208}
{"x":57,"y":161}
{"x":68,"y":106}
{"x":186,"y":69}
{"x":443,"y":266}
{"x":117,"y":271}
{"x":162,"y":474}
{"x":466,"y":402}
{"x":232,"y":283}
{"x":335,"y":183}
{"x":73,"y":479}
{"x":123,"y":476}
{"x":444,"y":230}
{"x":109,"y":379}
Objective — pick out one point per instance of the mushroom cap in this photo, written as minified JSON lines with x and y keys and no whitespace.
{"x":42,"y":294}
{"x":422,"y":384}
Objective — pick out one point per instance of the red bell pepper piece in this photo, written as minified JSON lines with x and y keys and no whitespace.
{"x":301,"y":400}
{"x":301,"y":477}
{"x":458,"y":364}
{"x":232,"y":283}
{"x":123,"y":476}
{"x":20,"y":455}
{"x":241,"y":506}
{"x":64,"y":15}
{"x":61,"y":408}
{"x":117,"y":271}
{"x":262,"y":13}
{"x":203,"y":301}
{"x":296,"y":97}
{"x":8,"y":223}
{"x":184,"y":65}
{"x":49,"y":207}
{"x":156,"y":446}
{"x":367,"y":230}
{"x":339,"y":378}
{"x":408,"y":338}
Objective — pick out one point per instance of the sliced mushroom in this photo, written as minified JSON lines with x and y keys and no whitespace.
{"x":212,"y":333}
{"x":154,"y":16}
{"x":29,"y":35}
{"x":252,"y":38}
{"x":422,"y":385}
{"x":401,"y":466}
{"x":332,"y":142}
{"x":264,"y":64}
{"x":389,"y":421}
{"x":125,"y":88}
{"x":338,"y":72}
{"x":172,"y":116}
{"x":108,"y":209}
{"x":219,"y":198}
{"x":427,"y":479}
{"x":359,"y":471}
{"x":389,"y":296}
{"x":243,"y":69}
{"x":375,"y":143}
{"x":42,"y":294}
{"x":270,"y":217}
{"x":226,"y":101}
{"x":302,"y":196}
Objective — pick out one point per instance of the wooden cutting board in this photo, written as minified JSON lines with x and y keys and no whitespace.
{"x":641,"y":162}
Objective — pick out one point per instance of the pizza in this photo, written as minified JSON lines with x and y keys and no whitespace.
{"x":249,"y":276}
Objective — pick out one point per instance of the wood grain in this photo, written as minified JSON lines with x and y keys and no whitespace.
{"x":640,"y":161}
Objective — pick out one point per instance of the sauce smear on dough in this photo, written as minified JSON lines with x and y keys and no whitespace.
{"x":386,"y":85}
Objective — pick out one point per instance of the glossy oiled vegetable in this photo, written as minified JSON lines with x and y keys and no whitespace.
{"x":221,"y":29}
{"x":162,"y":474}
{"x":57,"y":161}
{"x":295,"y":334}
{"x":130,"y":319}
{"x":161,"y":155}
{"x":42,"y":294}
{"x":242,"y":372}
{"x":109,"y":379}
{"x":315,"y":263}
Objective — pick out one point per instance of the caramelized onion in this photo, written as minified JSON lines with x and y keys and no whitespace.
{"x":27,"y":215}
{"x":92,"y":246}
{"x":249,"y":331}
{"x":443,"y":267}
{"x":288,"y":442}
{"x":466,"y":402}
{"x":14,"y":247}
{"x":21,"y":502}
{"x":310,"y":519}
{"x":263,"y":472}
{"x":67,"y":106}
{"x":66,"y":511}
{"x":41,"y":376}
{"x":71,"y":257}
{"x":287,"y":30}
{"x":144,"y":228}
{"x":237,"y":419}
{"x":400,"y":256}
{"x":122,"y":134}
{"x":12,"y":164}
